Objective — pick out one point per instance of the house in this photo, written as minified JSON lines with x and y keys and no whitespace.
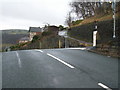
{"x":53,"y":29}
{"x":24,"y":40}
{"x":34,"y":31}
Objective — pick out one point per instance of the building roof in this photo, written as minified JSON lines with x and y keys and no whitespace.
{"x":53,"y":28}
{"x":35,"y":29}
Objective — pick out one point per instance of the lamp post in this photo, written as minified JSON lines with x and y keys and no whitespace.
{"x":113,"y":10}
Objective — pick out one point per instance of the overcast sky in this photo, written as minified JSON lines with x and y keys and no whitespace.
{"x":20,"y":14}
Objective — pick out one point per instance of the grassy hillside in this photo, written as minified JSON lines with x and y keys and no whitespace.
{"x":105,"y":31}
{"x":106,"y":44}
{"x":15,"y":31}
{"x":47,"y":40}
{"x":99,"y":18}
{"x":11,"y":37}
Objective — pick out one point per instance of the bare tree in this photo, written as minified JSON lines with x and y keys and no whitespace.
{"x":83,"y":9}
{"x":68,"y":19}
{"x":87,"y":9}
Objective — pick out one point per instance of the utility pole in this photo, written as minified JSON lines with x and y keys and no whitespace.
{"x":113,"y":10}
{"x":113,"y":7}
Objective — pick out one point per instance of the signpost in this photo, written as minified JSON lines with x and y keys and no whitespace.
{"x":63,"y":34}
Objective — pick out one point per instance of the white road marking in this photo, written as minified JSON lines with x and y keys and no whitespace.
{"x":19,"y":61}
{"x":71,"y":49}
{"x":104,"y":86}
{"x":40,"y":51}
{"x":108,"y":56}
{"x":60,"y":61}
{"x":77,"y":48}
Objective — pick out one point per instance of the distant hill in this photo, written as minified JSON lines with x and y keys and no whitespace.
{"x":11,"y":37}
{"x":15,"y":31}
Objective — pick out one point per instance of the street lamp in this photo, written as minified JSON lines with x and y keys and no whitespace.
{"x":113,"y":10}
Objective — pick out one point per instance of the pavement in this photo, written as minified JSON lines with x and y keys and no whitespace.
{"x":58,"y":68}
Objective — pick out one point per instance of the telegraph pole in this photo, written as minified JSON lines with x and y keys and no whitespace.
{"x":113,"y":7}
{"x":113,"y":11}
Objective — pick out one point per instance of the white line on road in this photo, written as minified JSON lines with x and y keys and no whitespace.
{"x":104,"y":86}
{"x":76,"y":48}
{"x":19,"y":61}
{"x":60,"y":61}
{"x":40,"y":51}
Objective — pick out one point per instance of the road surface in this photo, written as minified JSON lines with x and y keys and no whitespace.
{"x":58,"y":68}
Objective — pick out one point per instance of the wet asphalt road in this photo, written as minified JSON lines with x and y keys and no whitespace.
{"x":58,"y":68}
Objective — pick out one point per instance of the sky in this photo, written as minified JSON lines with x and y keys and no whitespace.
{"x":21,"y":14}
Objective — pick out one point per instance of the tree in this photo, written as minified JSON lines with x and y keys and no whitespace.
{"x":36,"y":37}
{"x":61,"y":27}
{"x":68,"y":19}
{"x":87,"y":9}
{"x":83,"y":9}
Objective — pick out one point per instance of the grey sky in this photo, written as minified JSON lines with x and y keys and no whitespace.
{"x":24,"y":13}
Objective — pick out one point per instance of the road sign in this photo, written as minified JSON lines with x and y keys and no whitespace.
{"x":62,"y":33}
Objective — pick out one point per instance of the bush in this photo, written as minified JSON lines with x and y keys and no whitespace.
{"x":46,"y":33}
{"x":76,"y":22}
{"x":36,"y":37}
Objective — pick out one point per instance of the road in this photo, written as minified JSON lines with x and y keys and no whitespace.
{"x":58,"y":68}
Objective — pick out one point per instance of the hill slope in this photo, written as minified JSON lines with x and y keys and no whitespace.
{"x":11,"y":37}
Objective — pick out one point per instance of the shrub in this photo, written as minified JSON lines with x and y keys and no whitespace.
{"x":46,"y":33}
{"x":36,"y":37}
{"x":76,"y":22}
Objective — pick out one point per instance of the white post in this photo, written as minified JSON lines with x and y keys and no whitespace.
{"x":59,"y":44}
{"x":94,"y":38}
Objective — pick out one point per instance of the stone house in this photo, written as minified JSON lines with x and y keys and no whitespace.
{"x":34,"y":31}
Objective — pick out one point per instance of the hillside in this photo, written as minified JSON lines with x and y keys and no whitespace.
{"x":100,"y":17}
{"x":84,"y":32}
{"x":105,"y":42}
{"x":11,"y":37}
{"x":47,"y":40}
{"x":14,"y":31}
